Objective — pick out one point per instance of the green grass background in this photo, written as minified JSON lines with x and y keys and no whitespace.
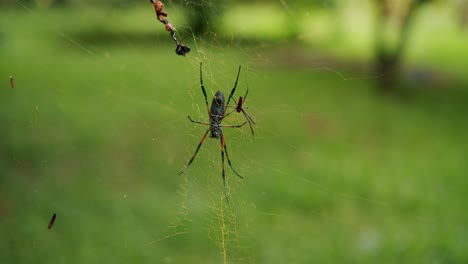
{"x":96,"y":131}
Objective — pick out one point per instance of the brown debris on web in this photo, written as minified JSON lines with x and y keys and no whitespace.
{"x":181,"y":49}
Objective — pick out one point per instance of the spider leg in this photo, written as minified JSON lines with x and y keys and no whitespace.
{"x":222,"y":171}
{"x":235,"y":126}
{"x":249,"y":120}
{"x":196,"y":151}
{"x":230,"y":112}
{"x":233,"y":90}
{"x":223,"y":145}
{"x":248,"y":117}
{"x":246,"y":92}
{"x":203,"y":90}
{"x":198,"y":122}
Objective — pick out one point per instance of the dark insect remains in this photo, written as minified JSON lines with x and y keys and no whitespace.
{"x":216,"y":114}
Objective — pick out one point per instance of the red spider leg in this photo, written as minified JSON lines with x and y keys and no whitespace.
{"x":51,"y":223}
{"x":250,"y":121}
{"x":223,"y":143}
{"x":224,"y":150}
{"x":196,"y":151}
{"x":248,"y":117}
{"x":12,"y":82}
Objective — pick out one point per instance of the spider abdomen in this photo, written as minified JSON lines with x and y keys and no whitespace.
{"x":216,"y":114}
{"x":215,"y":130}
{"x":217,"y":107}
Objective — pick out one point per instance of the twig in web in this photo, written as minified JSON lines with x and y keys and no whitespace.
{"x":12,"y":82}
{"x":51,"y":223}
{"x":181,"y":49}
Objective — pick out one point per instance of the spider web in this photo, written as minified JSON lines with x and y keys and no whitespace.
{"x":148,"y":140}
{"x":97,"y":55}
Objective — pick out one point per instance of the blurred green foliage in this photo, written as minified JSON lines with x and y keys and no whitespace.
{"x":96,"y":131}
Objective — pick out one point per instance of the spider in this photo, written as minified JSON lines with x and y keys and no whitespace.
{"x":216,"y":113}
{"x":239,"y":109}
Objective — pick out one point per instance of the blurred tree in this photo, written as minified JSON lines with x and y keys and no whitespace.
{"x":49,"y":3}
{"x":388,"y":56}
{"x":462,"y":7}
{"x":202,"y":13}
{"x":200,"y":18}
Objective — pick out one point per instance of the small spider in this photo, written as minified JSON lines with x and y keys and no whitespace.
{"x":216,"y":114}
{"x":239,"y":109}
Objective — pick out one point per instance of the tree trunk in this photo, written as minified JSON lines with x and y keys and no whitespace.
{"x":388,"y":59}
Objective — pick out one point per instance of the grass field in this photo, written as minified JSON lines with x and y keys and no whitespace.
{"x":97,"y":132}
